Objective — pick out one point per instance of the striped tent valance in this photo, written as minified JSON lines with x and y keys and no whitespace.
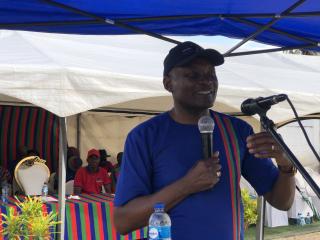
{"x":32,"y":127}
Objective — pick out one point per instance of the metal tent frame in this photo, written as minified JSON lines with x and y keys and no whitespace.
{"x":306,"y":43}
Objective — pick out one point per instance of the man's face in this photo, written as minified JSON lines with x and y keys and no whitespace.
{"x":93,"y":161}
{"x":193,"y":87}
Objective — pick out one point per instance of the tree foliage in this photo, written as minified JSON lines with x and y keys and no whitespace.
{"x":250,"y":209}
{"x":29,"y":222}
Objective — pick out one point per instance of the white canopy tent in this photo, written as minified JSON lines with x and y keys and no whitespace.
{"x":70,"y":74}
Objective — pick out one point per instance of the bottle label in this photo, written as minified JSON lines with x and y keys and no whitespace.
{"x":159,"y":233}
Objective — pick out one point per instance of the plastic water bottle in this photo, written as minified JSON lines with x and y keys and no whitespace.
{"x":5,"y":193}
{"x":308,"y":218}
{"x":44,"y":192}
{"x":301,"y":220}
{"x":159,"y":224}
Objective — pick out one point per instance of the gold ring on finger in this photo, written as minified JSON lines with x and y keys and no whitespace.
{"x":272,"y":147}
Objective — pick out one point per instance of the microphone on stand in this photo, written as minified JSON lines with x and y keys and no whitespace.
{"x":252,"y":106}
{"x":206,"y":126}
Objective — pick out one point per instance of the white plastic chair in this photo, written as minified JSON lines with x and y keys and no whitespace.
{"x":30,"y":174}
{"x":69,"y":187}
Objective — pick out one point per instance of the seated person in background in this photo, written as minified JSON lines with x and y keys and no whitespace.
{"x":119,"y":159}
{"x":73,"y":164}
{"x":116,"y":171}
{"x":73,"y":151}
{"x":117,"y":167}
{"x":5,"y":176}
{"x":91,"y":178}
{"x":104,"y":163}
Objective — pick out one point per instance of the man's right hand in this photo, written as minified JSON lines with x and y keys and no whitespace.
{"x":135,"y":214}
{"x":204,"y":175}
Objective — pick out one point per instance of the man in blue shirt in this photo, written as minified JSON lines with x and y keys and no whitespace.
{"x":163,"y":161}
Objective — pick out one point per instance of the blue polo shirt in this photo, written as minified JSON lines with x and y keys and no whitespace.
{"x":160,"y":151}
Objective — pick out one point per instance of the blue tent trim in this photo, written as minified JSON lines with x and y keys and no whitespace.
{"x":287,"y":24}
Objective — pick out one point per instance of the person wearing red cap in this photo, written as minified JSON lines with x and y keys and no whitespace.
{"x":91,"y":178}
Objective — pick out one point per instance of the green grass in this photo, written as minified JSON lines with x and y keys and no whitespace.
{"x":287,"y":231}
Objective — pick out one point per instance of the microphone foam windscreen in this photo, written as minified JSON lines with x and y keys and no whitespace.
{"x":206,"y":124}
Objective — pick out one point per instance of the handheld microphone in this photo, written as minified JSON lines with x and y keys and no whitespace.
{"x":252,"y":106}
{"x":206,"y":126}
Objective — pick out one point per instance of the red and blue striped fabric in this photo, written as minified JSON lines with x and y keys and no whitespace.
{"x":89,"y":218}
{"x":231,"y":147}
{"x":33,"y":127}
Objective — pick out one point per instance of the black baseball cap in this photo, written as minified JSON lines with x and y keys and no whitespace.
{"x":185,"y":52}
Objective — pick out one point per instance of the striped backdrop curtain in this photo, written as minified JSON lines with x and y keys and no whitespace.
{"x":32,"y":127}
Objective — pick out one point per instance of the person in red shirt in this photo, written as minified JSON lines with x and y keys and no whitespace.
{"x":91,"y":178}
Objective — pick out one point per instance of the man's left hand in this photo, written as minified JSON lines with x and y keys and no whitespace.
{"x":262,"y":145}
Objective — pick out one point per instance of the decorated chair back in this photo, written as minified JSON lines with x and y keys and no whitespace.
{"x":30,"y":174}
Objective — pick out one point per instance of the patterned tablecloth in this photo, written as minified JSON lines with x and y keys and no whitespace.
{"x":89,"y":218}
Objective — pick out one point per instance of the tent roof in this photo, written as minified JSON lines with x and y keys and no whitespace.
{"x":69,"y":74}
{"x":298,"y":21}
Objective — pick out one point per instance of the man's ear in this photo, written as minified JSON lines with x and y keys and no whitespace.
{"x":167,"y":83}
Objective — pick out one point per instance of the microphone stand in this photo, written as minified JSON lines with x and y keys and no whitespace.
{"x":269,"y":126}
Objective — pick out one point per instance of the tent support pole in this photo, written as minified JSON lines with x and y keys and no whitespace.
{"x":260,"y":222}
{"x":161,"y":18}
{"x":220,"y":15}
{"x":261,"y":209}
{"x":62,"y":175}
{"x":47,"y":23}
{"x":283,"y":33}
{"x":270,"y":50}
{"x":78,"y":131}
{"x":109,"y":21}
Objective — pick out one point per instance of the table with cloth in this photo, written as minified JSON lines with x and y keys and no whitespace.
{"x":89,"y":217}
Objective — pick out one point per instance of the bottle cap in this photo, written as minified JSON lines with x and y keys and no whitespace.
{"x":159,"y":205}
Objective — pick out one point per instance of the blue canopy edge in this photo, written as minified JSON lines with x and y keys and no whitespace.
{"x":288,"y":24}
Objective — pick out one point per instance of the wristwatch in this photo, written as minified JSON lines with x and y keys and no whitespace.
{"x":288,"y":170}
